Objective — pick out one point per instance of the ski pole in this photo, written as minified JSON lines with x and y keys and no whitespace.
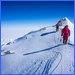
{"x":69,"y":39}
{"x":60,"y":35}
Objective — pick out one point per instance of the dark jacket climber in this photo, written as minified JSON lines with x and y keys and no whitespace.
{"x":57,"y":27}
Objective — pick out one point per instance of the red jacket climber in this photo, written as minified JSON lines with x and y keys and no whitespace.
{"x":57,"y":27}
{"x":65,"y":33}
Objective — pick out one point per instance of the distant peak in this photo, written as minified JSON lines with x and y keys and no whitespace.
{"x":66,"y":18}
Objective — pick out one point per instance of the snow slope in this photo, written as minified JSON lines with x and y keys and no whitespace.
{"x":11,"y":33}
{"x":39,"y":52}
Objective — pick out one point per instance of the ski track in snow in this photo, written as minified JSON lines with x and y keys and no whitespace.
{"x":34,"y":68}
{"x":58,"y":62}
{"x":37,"y":65}
{"x":48,"y":64}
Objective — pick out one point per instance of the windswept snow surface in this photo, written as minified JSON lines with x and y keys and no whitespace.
{"x":39,"y":52}
{"x":12,"y":33}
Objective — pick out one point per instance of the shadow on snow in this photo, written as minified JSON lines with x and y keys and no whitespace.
{"x":43,"y":50}
{"x":70,"y":44}
{"x":48,"y":33}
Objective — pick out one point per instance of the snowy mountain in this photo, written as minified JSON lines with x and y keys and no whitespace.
{"x":40,"y":52}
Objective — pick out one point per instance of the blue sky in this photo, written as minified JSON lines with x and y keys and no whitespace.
{"x":43,"y":13}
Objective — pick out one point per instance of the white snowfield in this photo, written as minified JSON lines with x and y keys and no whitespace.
{"x":40,"y":52}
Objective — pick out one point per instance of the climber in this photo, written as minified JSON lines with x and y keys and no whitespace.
{"x":57,"y":27}
{"x":65,"y":33}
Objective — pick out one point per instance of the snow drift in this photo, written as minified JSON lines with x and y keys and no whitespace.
{"x":40,"y":52}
